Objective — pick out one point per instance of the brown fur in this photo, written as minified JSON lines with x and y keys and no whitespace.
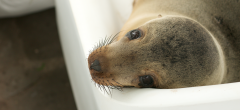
{"x":194,"y":45}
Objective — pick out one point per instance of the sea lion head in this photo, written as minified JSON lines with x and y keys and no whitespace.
{"x":167,"y":52}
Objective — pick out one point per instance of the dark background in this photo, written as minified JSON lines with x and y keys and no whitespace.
{"x":33,"y":74}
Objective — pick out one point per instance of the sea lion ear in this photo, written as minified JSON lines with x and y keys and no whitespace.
{"x":159,"y":16}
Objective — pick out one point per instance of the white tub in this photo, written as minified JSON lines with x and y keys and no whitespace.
{"x":82,"y":23}
{"x":13,"y":8}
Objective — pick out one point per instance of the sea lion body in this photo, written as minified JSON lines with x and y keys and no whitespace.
{"x":172,"y":44}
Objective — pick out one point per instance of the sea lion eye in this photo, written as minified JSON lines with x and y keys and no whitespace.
{"x":146,"y":81}
{"x":134,"y":34}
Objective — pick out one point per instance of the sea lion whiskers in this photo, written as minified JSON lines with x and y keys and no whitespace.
{"x":107,"y":86}
{"x":104,"y":42}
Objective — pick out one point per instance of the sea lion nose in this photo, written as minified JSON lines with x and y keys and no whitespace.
{"x":95,"y":65}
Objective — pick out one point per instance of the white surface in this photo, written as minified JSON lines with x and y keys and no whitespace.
{"x":97,"y":19}
{"x":82,"y":23}
{"x":10,"y":8}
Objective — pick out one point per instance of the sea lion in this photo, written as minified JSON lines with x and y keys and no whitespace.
{"x":172,"y":44}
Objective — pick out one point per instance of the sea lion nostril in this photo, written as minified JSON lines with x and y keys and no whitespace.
{"x":95,"y":65}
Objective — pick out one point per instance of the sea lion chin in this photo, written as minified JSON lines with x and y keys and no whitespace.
{"x":166,"y":52}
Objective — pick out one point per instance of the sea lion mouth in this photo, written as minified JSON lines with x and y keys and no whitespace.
{"x":98,"y":65}
{"x":97,"y":60}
